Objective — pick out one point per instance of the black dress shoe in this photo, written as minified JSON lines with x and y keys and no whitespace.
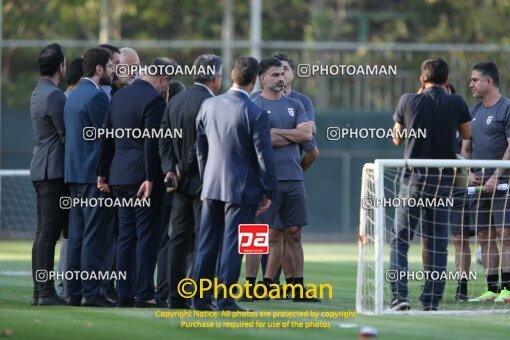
{"x":35,"y":298}
{"x":95,"y":302}
{"x":147,"y":304}
{"x":235,"y":308}
{"x":74,"y":301}
{"x":125,"y":303}
{"x":53,"y":300}
{"x":208,"y":306}
{"x":178,"y":304}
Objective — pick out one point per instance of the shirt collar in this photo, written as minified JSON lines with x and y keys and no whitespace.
{"x":239,"y":90}
{"x":87,"y":78}
{"x":208,"y":89}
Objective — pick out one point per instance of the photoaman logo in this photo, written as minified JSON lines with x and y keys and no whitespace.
{"x":253,"y":239}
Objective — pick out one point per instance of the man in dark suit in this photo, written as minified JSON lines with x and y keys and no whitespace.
{"x":179,"y":162}
{"x":236,"y":163}
{"x":174,"y":88}
{"x":132,"y":167}
{"x":90,"y":227}
{"x":47,"y":168}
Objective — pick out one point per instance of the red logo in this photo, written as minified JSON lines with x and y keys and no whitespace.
{"x":253,"y":238}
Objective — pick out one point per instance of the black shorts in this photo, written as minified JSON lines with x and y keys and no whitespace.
{"x":459,"y":214}
{"x":288,"y":207}
{"x":490,"y":209}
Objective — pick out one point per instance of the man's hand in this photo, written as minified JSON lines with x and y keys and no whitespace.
{"x":264,"y":204}
{"x":176,"y":179}
{"x":474,"y":180}
{"x":314,"y":127}
{"x":145,"y":189}
{"x":490,"y":185}
{"x":102,"y":185}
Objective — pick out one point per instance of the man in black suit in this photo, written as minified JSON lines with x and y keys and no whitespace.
{"x":47,"y":169}
{"x":179,"y":162}
{"x":174,"y":88}
{"x":132,"y":167}
{"x":236,"y":163}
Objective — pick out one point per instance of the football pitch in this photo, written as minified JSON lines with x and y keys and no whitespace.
{"x":331,"y":263}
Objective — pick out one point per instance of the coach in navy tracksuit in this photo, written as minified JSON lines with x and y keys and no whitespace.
{"x":91,"y":229}
{"x":236,"y":163}
{"x":132,"y":167}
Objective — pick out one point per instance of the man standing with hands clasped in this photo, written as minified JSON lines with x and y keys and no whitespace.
{"x":238,"y":170}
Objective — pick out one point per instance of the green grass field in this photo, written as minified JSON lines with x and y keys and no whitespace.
{"x":335,"y":264}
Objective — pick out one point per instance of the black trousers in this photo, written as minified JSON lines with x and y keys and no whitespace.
{"x":51,"y":221}
{"x":161,"y":265}
{"x":138,"y":243}
{"x":185,"y":221}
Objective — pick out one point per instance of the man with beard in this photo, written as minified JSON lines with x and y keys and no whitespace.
{"x":289,"y":128}
{"x":111,"y":89}
{"x":47,"y":167}
{"x":90,"y":227}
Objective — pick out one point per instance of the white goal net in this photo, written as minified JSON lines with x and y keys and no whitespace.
{"x":18,"y":211}
{"x":411,"y":213}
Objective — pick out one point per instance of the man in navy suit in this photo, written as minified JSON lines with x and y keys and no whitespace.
{"x":132,"y":167}
{"x":236,"y":164}
{"x":179,"y":160}
{"x":91,"y":228}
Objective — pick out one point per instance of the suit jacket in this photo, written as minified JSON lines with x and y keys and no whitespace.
{"x":85,"y":107}
{"x":234,"y":150}
{"x":47,"y":111}
{"x":180,"y":154}
{"x":126,"y":161}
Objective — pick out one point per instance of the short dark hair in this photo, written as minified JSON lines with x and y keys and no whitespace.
{"x":434,"y":71}
{"x":110,"y":48}
{"x":162,"y":62}
{"x":488,"y":69}
{"x":267,"y":63}
{"x":163,"y":71}
{"x":285,"y":57}
{"x":75,"y":71}
{"x":207,"y":61}
{"x":50,"y":58}
{"x":93,"y":57}
{"x":246,"y":70}
{"x":174,"y":88}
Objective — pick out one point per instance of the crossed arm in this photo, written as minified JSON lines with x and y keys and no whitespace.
{"x":301,"y":134}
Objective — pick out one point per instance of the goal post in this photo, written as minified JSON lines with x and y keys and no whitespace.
{"x":381,"y":182}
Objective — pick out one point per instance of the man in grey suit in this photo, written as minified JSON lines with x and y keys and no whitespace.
{"x":236,"y":164}
{"x":47,"y":170}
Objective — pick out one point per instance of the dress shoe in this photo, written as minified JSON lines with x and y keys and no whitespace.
{"x":208,"y":307}
{"x":53,"y":300}
{"x":95,"y":302}
{"x":35,"y":298}
{"x":178,"y":304}
{"x":149,"y":304}
{"x":125,"y":303}
{"x":235,"y":308}
{"x":74,"y":301}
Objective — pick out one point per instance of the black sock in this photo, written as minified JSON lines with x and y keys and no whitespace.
{"x":505,"y":280}
{"x":298,"y":281}
{"x":462,"y":286}
{"x":289,"y":280}
{"x":493,"y":283}
{"x":251,"y":280}
{"x":268,"y":281}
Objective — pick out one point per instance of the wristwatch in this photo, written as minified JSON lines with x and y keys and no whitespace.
{"x":496,"y":174}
